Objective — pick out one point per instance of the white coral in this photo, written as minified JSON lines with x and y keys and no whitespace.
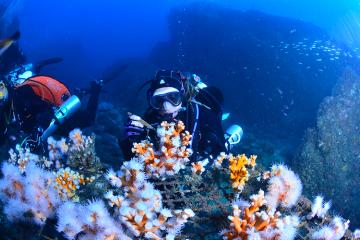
{"x":92,"y":220}
{"x":284,"y":189}
{"x":319,"y":208}
{"x":334,"y":231}
{"x":29,"y":193}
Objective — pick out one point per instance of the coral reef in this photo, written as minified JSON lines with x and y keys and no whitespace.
{"x":357,"y":234}
{"x":21,"y":157}
{"x":238,"y":172}
{"x":237,"y":167}
{"x":92,"y":220}
{"x":284,"y":188}
{"x":328,"y":159}
{"x":334,"y":231}
{"x":68,"y":181}
{"x":33,"y":187}
{"x":319,"y":208}
{"x":172,"y":153}
{"x":136,"y":204}
{"x":140,"y":207}
{"x":77,"y":152}
{"x":250,"y":222}
{"x":29,"y":194}
{"x":199,"y":167}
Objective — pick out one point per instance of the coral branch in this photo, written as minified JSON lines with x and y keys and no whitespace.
{"x":171,"y":155}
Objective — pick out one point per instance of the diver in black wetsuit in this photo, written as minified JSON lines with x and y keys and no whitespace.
{"x":27,"y":110}
{"x":174,"y":96}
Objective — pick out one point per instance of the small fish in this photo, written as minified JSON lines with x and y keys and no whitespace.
{"x":6,"y":43}
{"x":280,"y":91}
{"x":319,"y":60}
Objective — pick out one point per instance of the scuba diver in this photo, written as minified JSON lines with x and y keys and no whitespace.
{"x":174,"y":96}
{"x":38,"y":107}
{"x":34,"y":106}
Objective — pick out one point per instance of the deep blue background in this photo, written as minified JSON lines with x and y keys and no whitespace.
{"x":91,"y":34}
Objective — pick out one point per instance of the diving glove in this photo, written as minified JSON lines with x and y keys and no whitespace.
{"x":134,"y":127}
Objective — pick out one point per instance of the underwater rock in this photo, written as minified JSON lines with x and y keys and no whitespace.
{"x":108,"y":127}
{"x":273,"y":78}
{"x":328,"y":162}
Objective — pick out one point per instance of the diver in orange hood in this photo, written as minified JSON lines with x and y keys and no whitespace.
{"x":32,"y":111}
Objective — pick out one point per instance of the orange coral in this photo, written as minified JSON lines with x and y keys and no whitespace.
{"x":68,"y":181}
{"x":250,"y":218}
{"x":172,"y":153}
{"x":199,"y":167}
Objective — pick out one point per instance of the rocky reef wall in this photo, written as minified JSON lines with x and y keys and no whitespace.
{"x":328,"y":161}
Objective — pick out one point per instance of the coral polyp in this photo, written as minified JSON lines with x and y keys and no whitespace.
{"x":28,"y":195}
{"x":252,"y":223}
{"x":171,"y":155}
{"x":68,"y":181}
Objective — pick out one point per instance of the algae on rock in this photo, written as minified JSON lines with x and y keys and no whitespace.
{"x":329,"y":159}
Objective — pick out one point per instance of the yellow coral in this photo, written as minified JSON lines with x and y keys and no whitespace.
{"x":239,"y":174}
{"x":68,"y":181}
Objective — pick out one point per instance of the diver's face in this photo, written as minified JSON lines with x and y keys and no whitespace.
{"x":166,"y":100}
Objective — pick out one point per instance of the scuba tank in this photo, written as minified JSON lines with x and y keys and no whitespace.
{"x":20,"y":74}
{"x":23,"y":72}
{"x":233,"y":136}
{"x":64,"y":112}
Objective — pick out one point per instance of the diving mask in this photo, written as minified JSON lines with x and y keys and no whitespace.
{"x":165,"y":96}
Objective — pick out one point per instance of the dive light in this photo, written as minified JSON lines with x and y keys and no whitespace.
{"x":63,"y":113}
{"x":233,"y":136}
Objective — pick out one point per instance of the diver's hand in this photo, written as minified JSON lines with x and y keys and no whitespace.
{"x":134,"y":127}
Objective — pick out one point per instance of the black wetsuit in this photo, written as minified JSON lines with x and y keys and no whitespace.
{"x":204,"y":124}
{"x":26,"y":113}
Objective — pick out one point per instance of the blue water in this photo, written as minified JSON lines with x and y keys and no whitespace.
{"x":91,"y":34}
{"x":274,"y":60}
